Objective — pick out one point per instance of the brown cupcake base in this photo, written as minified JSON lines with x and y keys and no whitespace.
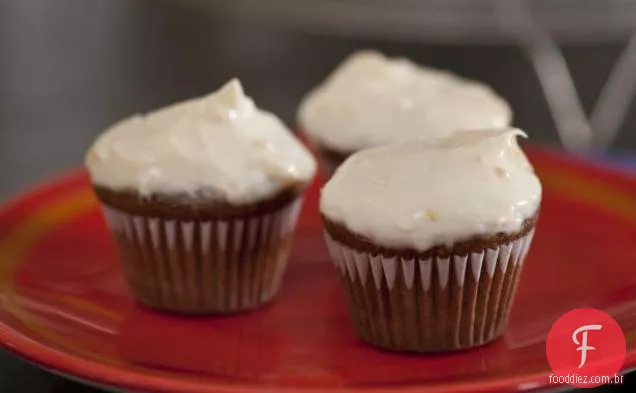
{"x":330,"y":160}
{"x":204,"y":266}
{"x":431,"y":303}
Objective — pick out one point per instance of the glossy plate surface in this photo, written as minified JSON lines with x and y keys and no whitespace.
{"x":65,"y":306}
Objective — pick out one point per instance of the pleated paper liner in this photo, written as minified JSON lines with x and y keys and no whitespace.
{"x":430,"y":305}
{"x":207,"y":266}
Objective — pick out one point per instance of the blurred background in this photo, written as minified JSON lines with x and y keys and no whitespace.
{"x":69,"y":68}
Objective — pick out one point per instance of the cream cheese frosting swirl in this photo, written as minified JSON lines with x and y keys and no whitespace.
{"x":220,"y":146}
{"x":371,"y":100}
{"x":418,"y":194}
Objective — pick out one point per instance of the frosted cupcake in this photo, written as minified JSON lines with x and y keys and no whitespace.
{"x":371,"y":100}
{"x":429,"y":238}
{"x":202,"y":198}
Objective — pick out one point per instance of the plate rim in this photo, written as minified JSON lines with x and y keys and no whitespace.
{"x":64,"y":362}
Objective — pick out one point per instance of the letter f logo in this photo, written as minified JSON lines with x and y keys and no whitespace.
{"x":583,"y":343}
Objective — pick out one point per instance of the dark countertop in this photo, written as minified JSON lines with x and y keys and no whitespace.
{"x":19,"y":376}
{"x":68,"y":68}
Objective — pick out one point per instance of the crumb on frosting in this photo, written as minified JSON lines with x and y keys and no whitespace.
{"x":499,"y":171}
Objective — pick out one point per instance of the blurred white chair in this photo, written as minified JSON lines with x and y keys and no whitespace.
{"x":538,"y":26}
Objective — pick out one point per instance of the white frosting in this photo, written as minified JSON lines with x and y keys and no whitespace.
{"x":371,"y":100}
{"x":418,"y":194}
{"x":219,"y":146}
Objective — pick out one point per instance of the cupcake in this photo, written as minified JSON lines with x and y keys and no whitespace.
{"x":429,"y":239}
{"x":371,"y":100}
{"x":202,"y":198}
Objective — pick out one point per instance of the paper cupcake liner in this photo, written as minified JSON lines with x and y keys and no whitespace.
{"x":434,"y":304}
{"x":212,"y":266}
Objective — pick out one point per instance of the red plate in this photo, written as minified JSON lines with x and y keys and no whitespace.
{"x":65,"y":306}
